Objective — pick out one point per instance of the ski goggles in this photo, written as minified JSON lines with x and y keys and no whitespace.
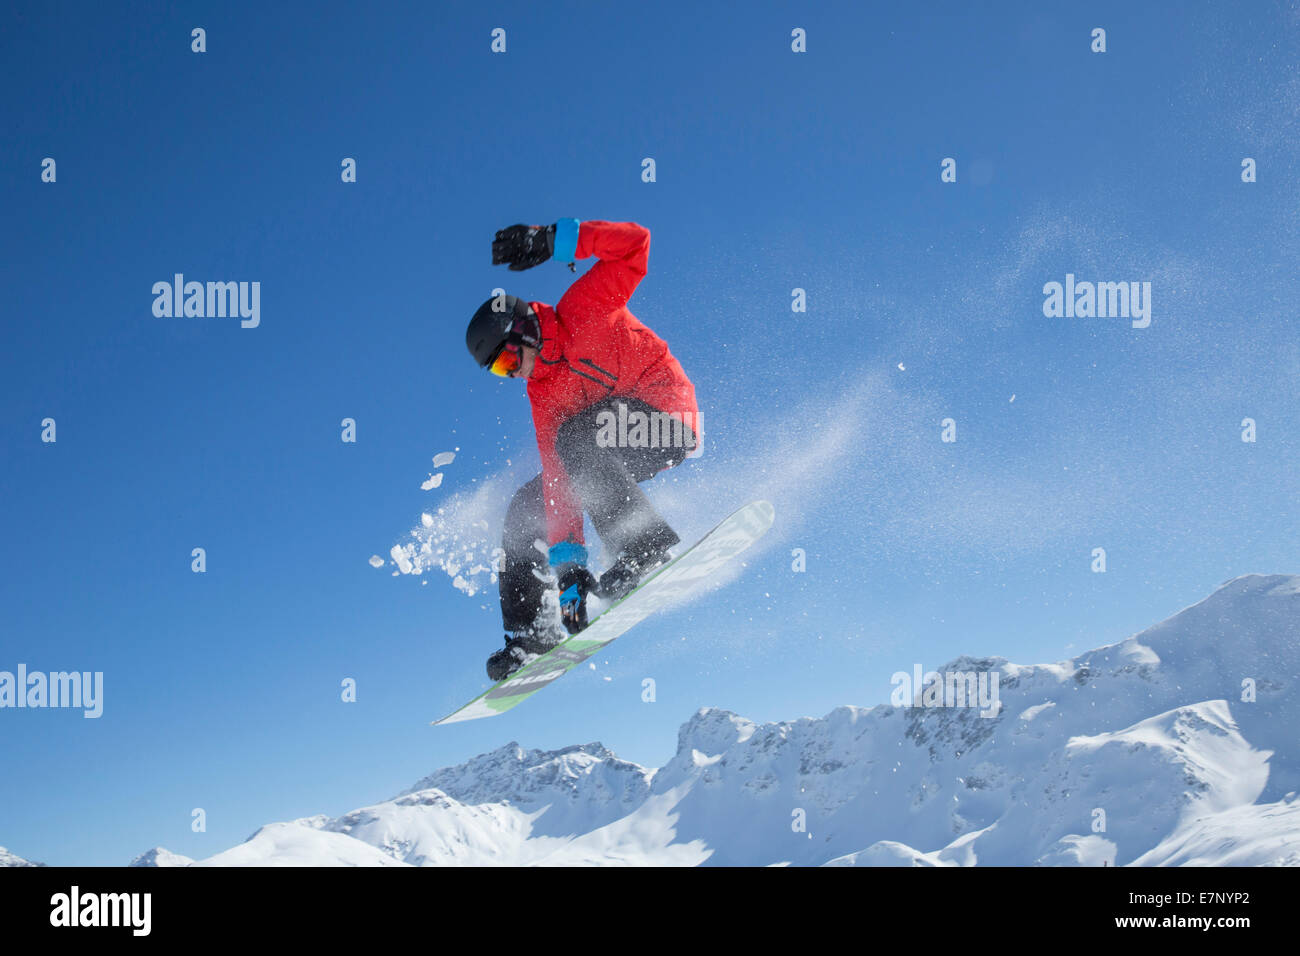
{"x":507,"y":361}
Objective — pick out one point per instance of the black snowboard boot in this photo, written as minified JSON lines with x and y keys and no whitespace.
{"x":523,"y":646}
{"x":636,"y":562}
{"x":506,"y":661}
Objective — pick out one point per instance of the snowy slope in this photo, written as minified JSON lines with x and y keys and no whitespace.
{"x":159,"y":856}
{"x":13,"y":859}
{"x":298,"y":844}
{"x":1141,"y":752}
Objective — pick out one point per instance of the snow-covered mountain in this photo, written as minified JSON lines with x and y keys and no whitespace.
{"x":159,"y":856}
{"x":1176,"y":746}
{"x":13,"y":859}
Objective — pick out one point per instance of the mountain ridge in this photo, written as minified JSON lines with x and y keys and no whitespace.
{"x":1169,"y":746}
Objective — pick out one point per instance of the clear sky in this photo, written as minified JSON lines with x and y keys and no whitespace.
{"x":775,"y":170}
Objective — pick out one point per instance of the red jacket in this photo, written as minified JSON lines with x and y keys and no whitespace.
{"x":592,"y":348}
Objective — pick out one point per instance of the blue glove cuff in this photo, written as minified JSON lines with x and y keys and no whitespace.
{"x":567,"y":552}
{"x":570,"y":595}
{"x":566,"y":241}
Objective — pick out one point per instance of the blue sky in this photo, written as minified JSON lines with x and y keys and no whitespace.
{"x":775,"y":170}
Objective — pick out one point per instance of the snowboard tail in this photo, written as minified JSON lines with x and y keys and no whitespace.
{"x":662,"y":588}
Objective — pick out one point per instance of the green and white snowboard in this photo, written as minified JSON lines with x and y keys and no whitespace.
{"x":664,"y":587}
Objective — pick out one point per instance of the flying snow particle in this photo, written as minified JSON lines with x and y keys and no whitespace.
{"x":1013,"y":398}
{"x":403,"y":560}
{"x":433,"y":482}
{"x":376,"y":561}
{"x":900,"y":367}
{"x":426,"y":520}
{"x":443,"y":458}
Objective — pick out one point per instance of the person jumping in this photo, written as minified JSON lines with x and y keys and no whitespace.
{"x":612,"y":408}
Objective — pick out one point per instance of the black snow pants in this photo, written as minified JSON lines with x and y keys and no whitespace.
{"x":605,"y":480}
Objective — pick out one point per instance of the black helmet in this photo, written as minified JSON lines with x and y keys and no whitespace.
{"x":501,"y":319}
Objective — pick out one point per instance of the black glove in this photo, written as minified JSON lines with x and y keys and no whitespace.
{"x":523,"y":246}
{"x":575,"y":581}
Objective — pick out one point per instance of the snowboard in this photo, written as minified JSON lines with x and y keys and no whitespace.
{"x":667,"y":584}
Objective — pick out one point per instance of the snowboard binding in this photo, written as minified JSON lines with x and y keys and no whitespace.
{"x":635,"y":564}
{"x":523,"y":647}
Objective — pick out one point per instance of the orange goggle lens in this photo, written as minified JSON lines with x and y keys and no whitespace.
{"x":507,"y":361}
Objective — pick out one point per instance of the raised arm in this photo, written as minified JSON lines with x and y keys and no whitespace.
{"x":622,"y":248}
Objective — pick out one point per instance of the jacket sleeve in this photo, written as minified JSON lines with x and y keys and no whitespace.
{"x":623,"y":249}
{"x":563,"y":509}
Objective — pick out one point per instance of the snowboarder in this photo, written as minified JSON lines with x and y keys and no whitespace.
{"x":591,"y":368}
